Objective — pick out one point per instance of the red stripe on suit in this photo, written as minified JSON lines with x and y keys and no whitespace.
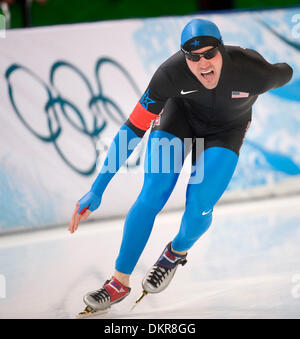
{"x":141,"y":118}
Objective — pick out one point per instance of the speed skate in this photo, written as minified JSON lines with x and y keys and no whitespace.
{"x":99,"y":301}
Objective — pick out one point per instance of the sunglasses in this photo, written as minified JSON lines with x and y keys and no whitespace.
{"x":211,"y":53}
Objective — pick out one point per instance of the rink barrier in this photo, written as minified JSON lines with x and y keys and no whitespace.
{"x":287,"y":187}
{"x":57,"y":115}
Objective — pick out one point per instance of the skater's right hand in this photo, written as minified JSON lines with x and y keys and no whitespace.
{"x":84,"y":207}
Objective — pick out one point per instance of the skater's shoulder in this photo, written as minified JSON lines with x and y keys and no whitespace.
{"x":242,"y":56}
{"x":174,"y":69}
{"x":174,"y":63}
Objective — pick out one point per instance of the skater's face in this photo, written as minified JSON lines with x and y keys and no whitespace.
{"x":207,"y":71}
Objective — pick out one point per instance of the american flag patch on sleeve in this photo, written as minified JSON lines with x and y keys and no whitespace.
{"x":237,"y":94}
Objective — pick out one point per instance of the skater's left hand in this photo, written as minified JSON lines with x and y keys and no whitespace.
{"x":76,"y":218}
{"x":84,"y":207}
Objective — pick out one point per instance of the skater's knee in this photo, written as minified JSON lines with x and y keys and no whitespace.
{"x":201,"y":220}
{"x":197,"y":219}
{"x":156,"y":190}
{"x":155,"y":199}
{"x":193,"y":225}
{"x":199,"y":209}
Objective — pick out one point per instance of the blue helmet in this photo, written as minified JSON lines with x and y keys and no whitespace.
{"x":200,"y":33}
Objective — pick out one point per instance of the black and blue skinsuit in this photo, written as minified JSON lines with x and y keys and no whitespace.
{"x":176,"y":106}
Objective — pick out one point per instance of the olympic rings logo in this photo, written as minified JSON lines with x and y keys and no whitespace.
{"x":103,"y":109}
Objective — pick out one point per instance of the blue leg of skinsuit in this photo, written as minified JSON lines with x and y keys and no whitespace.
{"x":156,"y":190}
{"x":219,"y":166}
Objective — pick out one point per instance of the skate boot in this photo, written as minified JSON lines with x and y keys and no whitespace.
{"x":162,"y":272}
{"x":99,"y":301}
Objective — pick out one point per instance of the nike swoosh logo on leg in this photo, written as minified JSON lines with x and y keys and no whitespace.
{"x":206,"y":212}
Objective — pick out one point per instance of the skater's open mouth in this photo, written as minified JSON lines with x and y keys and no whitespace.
{"x":208,"y":75}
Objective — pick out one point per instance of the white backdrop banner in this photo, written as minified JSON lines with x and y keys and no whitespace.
{"x":66,"y":90}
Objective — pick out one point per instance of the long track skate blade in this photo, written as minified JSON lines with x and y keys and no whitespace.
{"x":90,"y":312}
{"x":139,"y":299}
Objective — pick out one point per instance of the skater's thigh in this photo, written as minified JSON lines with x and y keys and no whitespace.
{"x":211,"y":175}
{"x":173,"y":120}
{"x":169,"y":142}
{"x":231,"y":138}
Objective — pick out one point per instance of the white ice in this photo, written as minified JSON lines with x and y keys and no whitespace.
{"x":246,"y":266}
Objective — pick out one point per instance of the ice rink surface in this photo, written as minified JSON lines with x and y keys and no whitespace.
{"x":246,"y":266}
